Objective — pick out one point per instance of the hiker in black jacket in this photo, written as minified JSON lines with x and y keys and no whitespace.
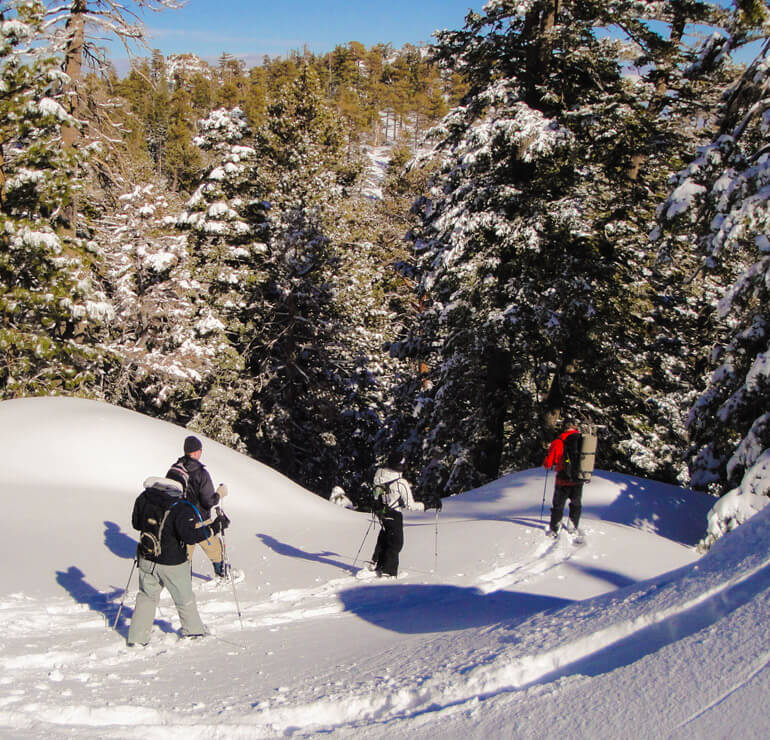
{"x":199,"y":491}
{"x":168,"y":524}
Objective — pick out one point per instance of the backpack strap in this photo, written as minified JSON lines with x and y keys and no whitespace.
{"x":201,"y":521}
{"x":400,"y":501}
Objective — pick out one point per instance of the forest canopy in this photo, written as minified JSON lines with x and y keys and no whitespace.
{"x":558,"y":211}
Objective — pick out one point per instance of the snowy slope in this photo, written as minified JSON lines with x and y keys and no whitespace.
{"x":491,"y":630}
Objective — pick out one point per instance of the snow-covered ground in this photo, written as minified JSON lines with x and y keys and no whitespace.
{"x":377,"y":161}
{"x":491,"y":631}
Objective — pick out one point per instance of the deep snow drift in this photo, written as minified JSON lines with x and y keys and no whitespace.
{"x":490,"y":631}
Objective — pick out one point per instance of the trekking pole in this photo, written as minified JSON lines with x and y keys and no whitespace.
{"x":545,"y":486}
{"x":227,"y":568}
{"x":125,"y":591}
{"x":435,"y":554}
{"x":371,"y":522}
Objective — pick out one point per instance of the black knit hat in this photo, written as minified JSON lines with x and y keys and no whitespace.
{"x":192,"y":444}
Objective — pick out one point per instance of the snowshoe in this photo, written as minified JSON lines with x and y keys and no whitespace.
{"x":366,"y":573}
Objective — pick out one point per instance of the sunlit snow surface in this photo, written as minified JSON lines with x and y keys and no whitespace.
{"x":490,"y":631}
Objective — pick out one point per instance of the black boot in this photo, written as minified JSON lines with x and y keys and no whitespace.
{"x":221,"y":569}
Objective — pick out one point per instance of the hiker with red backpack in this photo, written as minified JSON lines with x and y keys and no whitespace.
{"x":564,"y":456}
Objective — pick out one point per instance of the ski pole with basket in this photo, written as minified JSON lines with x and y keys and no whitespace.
{"x":226,"y":563}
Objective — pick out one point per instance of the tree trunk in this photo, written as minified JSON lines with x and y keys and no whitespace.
{"x":539,"y":23}
{"x":73,"y":64}
{"x":2,"y":173}
{"x":552,"y":406}
{"x":497,"y":383}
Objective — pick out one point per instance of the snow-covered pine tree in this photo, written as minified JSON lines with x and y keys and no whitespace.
{"x":51,"y":315}
{"x":227,"y":250}
{"x":532,"y":250}
{"x":306,"y":360}
{"x":368,"y":295}
{"x":155,"y":334}
{"x":721,"y":204}
{"x":683,"y":323}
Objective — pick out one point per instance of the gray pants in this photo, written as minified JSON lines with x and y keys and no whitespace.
{"x":152,"y":579}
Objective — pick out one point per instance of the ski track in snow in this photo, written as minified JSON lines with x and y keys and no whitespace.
{"x":547,"y":556}
{"x":26,"y":625}
{"x":29,"y":629}
{"x":761,"y":665}
{"x":501,"y":673}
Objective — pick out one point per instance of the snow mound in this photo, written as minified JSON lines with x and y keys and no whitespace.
{"x":490,"y":630}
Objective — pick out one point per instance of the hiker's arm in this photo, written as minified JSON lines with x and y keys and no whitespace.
{"x":408,"y":496}
{"x":208,"y":496}
{"x":189,"y":527}
{"x":552,"y":458}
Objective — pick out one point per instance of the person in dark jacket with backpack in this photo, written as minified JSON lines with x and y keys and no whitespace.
{"x":199,"y":491}
{"x":168,"y":524}
{"x":568,"y":486}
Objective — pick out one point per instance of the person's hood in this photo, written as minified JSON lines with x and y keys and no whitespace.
{"x":164,"y":485}
{"x":386,"y":475}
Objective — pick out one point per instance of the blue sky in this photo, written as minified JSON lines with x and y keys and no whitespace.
{"x":252,"y":28}
{"x":249,"y":29}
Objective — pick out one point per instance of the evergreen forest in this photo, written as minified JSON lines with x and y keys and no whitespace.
{"x":557,"y":212}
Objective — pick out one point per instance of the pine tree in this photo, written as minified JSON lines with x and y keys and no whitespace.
{"x":157,"y":121}
{"x":231,"y":92}
{"x":225,"y":217}
{"x":183,"y":159}
{"x":51,"y":313}
{"x":720,"y":204}
{"x":307,"y":419}
{"x":531,"y":255}
{"x":156,"y":333}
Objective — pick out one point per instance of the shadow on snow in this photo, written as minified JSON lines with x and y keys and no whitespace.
{"x":325,"y":556}
{"x":118,"y":543}
{"x":636,"y":506}
{"x":668,"y":631}
{"x":416,"y":609}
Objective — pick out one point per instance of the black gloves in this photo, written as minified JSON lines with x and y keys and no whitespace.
{"x":220,"y":524}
